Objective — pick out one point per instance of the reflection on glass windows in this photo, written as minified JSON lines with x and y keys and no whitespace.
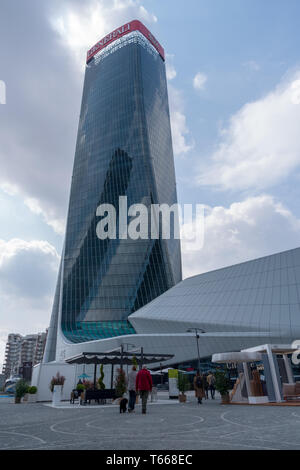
{"x":124,"y":148}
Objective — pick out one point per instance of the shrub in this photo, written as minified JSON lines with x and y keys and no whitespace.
{"x":183,"y":382}
{"x":21,"y":388}
{"x":32,"y":390}
{"x":120,"y":383}
{"x":57,"y":380}
{"x":100,"y":380}
{"x":222,"y":382}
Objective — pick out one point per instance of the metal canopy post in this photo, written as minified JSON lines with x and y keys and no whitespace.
{"x":122,"y":350}
{"x":142,"y":357}
{"x":95,"y":372}
{"x":112,"y":376}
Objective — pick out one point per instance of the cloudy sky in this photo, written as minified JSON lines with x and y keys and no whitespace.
{"x":234,"y":88}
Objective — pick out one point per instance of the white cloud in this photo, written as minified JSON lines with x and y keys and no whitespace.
{"x":28,"y":273}
{"x":252,"y":228}
{"x":261,"y":144}
{"x":8,"y":188}
{"x":80,"y":28}
{"x":49,"y":217}
{"x":26,"y":267}
{"x":180,"y":131}
{"x":170,"y":69}
{"x":199,"y":81}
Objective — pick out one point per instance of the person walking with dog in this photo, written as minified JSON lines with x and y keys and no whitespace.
{"x":131,"y":388}
{"x":143,"y":385}
{"x":199,"y":387}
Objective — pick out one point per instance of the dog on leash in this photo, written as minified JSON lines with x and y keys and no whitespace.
{"x":123,"y":405}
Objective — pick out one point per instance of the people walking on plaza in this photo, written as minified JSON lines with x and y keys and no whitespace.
{"x":131,"y":388}
{"x":143,"y":385}
{"x":199,"y":387}
{"x":211,"y":379}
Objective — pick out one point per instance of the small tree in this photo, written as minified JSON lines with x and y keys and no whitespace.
{"x":183,"y":382}
{"x":134,"y":361}
{"x":100,"y":380}
{"x":120,"y":383}
{"x":57,"y":380}
{"x":21,"y":390}
{"x":222,"y":383}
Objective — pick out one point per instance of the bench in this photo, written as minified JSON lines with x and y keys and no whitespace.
{"x":100,"y":395}
{"x":75,"y":395}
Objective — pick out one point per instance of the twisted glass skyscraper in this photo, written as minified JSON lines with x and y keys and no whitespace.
{"x":124,"y":148}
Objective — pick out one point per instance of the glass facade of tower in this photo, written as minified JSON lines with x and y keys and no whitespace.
{"x":123,"y":148}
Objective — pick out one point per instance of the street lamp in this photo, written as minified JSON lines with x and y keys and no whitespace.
{"x":196,"y":330}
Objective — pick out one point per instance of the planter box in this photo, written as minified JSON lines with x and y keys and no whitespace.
{"x":225,"y":399}
{"x":32,"y":398}
{"x":182,"y":398}
{"x":56,"y":395}
{"x":257,"y":400}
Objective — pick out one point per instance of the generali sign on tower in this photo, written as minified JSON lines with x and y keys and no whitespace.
{"x":134,"y":25}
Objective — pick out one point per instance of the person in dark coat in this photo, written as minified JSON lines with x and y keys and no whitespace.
{"x":199,"y":387}
{"x":206,"y":386}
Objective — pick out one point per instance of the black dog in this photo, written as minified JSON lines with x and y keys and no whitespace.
{"x":123,"y":405}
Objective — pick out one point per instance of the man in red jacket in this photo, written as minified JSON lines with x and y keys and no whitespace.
{"x":143,"y":385}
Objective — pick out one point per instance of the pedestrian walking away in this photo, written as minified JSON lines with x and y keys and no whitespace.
{"x":143,"y":385}
{"x":206,"y":386}
{"x":211,"y":379}
{"x":131,"y":388}
{"x":199,"y":387}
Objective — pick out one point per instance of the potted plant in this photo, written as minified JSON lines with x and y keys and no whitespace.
{"x":80,"y":390}
{"x":100,"y":380}
{"x":88,"y":385}
{"x":56,"y":386}
{"x":21,"y":390}
{"x":32,"y":391}
{"x":183,"y":386}
{"x":134,"y":361}
{"x":120,"y":383}
{"x":222,"y":385}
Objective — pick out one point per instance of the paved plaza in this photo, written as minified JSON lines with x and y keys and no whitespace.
{"x":167,"y":425}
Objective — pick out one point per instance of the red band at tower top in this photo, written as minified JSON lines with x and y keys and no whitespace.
{"x":134,"y":25}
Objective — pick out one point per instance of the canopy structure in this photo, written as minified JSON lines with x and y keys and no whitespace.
{"x":117,"y":357}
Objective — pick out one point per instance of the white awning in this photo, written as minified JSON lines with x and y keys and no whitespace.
{"x":236,"y":357}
